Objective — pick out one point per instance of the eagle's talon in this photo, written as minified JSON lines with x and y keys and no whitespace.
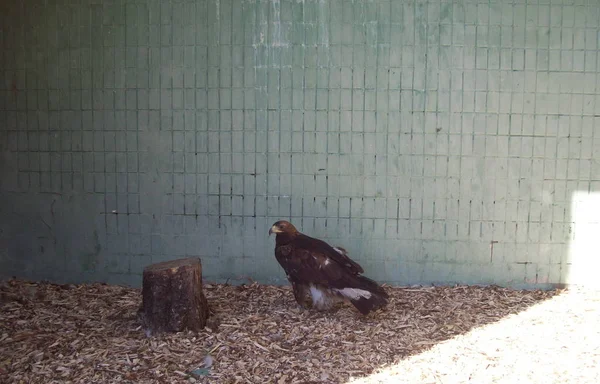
{"x":305,"y":305}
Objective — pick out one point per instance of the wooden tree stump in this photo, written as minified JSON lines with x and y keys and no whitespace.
{"x":172,"y":297}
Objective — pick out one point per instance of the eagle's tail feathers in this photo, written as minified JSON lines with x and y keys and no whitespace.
{"x":366,"y":305}
{"x":371,"y":285}
{"x":366,"y":296}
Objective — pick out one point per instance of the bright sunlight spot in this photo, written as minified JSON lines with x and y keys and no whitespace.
{"x":557,"y":341}
{"x":583,"y":252}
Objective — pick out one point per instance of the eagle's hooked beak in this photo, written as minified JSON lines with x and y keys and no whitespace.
{"x":274,"y":230}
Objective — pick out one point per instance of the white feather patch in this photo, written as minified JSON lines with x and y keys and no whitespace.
{"x":340,"y":251}
{"x":317,"y":296}
{"x":354,"y":293}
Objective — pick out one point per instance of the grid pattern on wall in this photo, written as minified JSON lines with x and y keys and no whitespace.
{"x":438,"y":141}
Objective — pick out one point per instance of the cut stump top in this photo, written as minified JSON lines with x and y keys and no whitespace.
{"x":172,"y":264}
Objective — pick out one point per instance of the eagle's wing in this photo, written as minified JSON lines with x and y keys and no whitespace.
{"x":316,"y":245}
{"x":308,"y":266}
{"x":311,"y":263}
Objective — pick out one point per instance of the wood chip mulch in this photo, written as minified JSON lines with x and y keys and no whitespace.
{"x":89,"y":333}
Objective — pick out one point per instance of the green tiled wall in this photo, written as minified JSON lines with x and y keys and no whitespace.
{"x":438,"y":141}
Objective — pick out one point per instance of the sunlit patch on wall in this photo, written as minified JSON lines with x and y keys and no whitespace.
{"x":584,"y":254}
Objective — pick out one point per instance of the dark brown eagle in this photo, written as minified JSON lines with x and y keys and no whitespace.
{"x":326,"y":272}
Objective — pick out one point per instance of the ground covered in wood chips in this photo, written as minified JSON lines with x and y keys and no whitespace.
{"x":257,"y":334}
{"x":555,"y":341}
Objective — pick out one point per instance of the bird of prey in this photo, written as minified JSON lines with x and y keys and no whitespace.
{"x":312,"y":265}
